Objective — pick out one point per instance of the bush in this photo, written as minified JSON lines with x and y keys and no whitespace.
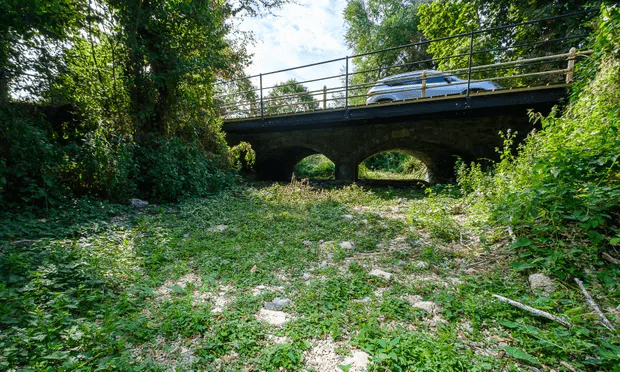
{"x":172,"y":168}
{"x":27,"y":159}
{"x":563,"y":187}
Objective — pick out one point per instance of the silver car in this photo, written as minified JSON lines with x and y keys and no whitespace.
{"x":409,"y":85}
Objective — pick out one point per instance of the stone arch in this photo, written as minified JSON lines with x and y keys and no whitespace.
{"x":438,"y":158}
{"x":277,"y":164}
{"x":423,"y":157}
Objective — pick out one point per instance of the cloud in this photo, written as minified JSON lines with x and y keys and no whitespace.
{"x":308,"y":32}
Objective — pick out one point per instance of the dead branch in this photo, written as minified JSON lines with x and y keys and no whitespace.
{"x":537,"y":312}
{"x":568,"y":366}
{"x":593,"y":305}
{"x":607,"y":257}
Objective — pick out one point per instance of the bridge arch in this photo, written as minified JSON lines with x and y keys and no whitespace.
{"x":278,"y":163}
{"x":439,"y":158}
{"x":415,"y":154}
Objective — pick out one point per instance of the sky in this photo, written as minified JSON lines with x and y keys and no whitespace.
{"x":298,"y":34}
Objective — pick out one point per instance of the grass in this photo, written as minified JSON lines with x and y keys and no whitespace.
{"x":105,"y":287}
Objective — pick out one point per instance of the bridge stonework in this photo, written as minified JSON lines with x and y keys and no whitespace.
{"x":435,"y":132}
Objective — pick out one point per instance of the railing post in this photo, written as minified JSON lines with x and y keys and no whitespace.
{"x":346,"y":87}
{"x":570,"y":70}
{"x":471,"y":53}
{"x":262,"y":107}
{"x":324,"y":97}
{"x":423,"y":84}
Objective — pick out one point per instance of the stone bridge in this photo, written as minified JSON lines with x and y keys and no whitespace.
{"x":436,"y":131}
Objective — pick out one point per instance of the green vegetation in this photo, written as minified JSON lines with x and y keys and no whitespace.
{"x":114,"y":99}
{"x":99,"y":286}
{"x":392,"y":165}
{"x":290,"y":96}
{"x":405,"y":276}
{"x":315,"y":166}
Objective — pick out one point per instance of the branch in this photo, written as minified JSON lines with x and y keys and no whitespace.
{"x":533,"y":311}
{"x":604,"y":320}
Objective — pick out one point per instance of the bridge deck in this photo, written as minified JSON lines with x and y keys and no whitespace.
{"x":417,"y":109}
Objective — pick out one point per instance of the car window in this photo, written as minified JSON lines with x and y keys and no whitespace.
{"x":404,"y":82}
{"x":435,"y":80}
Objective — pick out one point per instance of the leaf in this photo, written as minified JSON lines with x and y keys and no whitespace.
{"x":292,"y":357}
{"x":521,"y":242}
{"x":382,"y":343}
{"x":508,"y":324}
{"x":520,"y":354}
{"x":520,"y":266}
{"x":177,"y":289}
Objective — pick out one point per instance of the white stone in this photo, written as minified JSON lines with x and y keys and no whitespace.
{"x":347,"y":217}
{"x":137,"y":203}
{"x":381,"y":273}
{"x":218,"y":228}
{"x":276,"y":318}
{"x":346,"y":245}
{"x":541,"y":282}
{"x":428,"y":306}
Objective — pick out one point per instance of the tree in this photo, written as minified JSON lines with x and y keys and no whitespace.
{"x":30,"y":32}
{"x":380,"y":24}
{"x":237,"y":99}
{"x":289,"y":96}
{"x":443,"y":18}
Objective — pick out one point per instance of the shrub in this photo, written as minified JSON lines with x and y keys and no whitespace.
{"x":27,"y":159}
{"x":172,"y":168}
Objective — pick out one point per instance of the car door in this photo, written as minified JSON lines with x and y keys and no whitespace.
{"x":412,"y":88}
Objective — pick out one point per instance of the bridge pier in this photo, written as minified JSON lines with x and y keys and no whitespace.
{"x":346,"y":170}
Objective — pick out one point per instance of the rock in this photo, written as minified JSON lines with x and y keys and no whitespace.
{"x":277,"y":303}
{"x":381,"y":273}
{"x":347,"y":217}
{"x":306,"y":276}
{"x":22,"y":243}
{"x":218,"y":228}
{"x":428,"y":306}
{"x":330,"y":256}
{"x":276,"y":318}
{"x":466,"y":326}
{"x":541,"y":282}
{"x":307,"y":243}
{"x":137,"y":203}
{"x":420,"y":265}
{"x":253,"y":269}
{"x":324,"y":263}
{"x":346,"y":245}
{"x":359,"y":360}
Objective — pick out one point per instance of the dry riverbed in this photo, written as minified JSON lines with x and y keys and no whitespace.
{"x":296,"y":277}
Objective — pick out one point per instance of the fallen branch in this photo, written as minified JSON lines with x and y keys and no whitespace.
{"x":541,"y":313}
{"x":607,"y":257}
{"x":593,"y":305}
{"x":568,"y":366}
{"x":511,"y":234}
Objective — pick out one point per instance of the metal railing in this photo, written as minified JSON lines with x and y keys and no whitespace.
{"x":510,"y":66}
